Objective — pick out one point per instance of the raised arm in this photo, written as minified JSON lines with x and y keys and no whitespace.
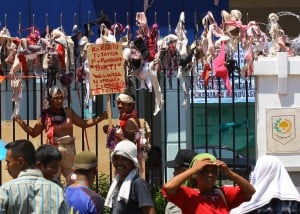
{"x":78,"y":121}
{"x":173,"y":185}
{"x":246,"y":188}
{"x":33,"y":132}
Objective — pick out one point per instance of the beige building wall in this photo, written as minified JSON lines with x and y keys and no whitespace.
{"x":103,"y":152}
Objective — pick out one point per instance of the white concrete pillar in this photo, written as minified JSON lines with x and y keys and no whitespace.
{"x":277,"y":81}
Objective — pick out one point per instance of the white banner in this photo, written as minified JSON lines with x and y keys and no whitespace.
{"x":214,"y":94}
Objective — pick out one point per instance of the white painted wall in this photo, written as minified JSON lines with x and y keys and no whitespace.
{"x":277,"y":86}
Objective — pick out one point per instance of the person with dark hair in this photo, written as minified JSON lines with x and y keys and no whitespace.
{"x":81,"y":199}
{"x":58,"y":122}
{"x":180,"y":164}
{"x":47,"y":159}
{"x":29,"y":191}
{"x":22,"y":150}
{"x":129,"y":125}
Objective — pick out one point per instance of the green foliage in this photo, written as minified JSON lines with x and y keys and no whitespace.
{"x":158,"y":200}
{"x":104,"y":184}
{"x":103,"y":187}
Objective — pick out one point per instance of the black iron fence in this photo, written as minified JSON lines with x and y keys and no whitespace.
{"x":210,"y":117}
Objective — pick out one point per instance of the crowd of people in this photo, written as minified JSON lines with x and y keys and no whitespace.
{"x":45,"y":165}
{"x":35,"y":189}
{"x":36,"y":186}
{"x":193,"y":189}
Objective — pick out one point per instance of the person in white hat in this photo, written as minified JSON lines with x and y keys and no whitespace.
{"x":129,"y":125}
{"x":128,"y":191}
{"x":129,"y":121}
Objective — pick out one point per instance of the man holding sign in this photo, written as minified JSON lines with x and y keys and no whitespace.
{"x":107,"y":76}
{"x":106,"y":73}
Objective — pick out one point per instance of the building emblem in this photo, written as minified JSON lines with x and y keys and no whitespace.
{"x":283,"y":128}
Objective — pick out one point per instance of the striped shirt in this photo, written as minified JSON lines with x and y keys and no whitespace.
{"x":31,"y":193}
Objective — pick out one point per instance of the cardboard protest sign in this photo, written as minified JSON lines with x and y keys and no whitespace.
{"x":106,"y":68}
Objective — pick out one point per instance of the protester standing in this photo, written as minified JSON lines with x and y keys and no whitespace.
{"x":58,"y":121}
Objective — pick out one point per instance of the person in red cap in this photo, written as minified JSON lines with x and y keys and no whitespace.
{"x":181,"y":163}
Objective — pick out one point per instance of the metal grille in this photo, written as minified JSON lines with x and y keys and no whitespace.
{"x":213,"y":120}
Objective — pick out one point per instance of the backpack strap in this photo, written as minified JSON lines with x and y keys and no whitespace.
{"x":221,"y":193}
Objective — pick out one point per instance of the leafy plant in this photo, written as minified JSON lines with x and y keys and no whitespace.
{"x":102,"y":188}
{"x":158,"y":200}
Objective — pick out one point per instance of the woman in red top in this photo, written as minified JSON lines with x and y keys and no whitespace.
{"x":202,"y":195}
